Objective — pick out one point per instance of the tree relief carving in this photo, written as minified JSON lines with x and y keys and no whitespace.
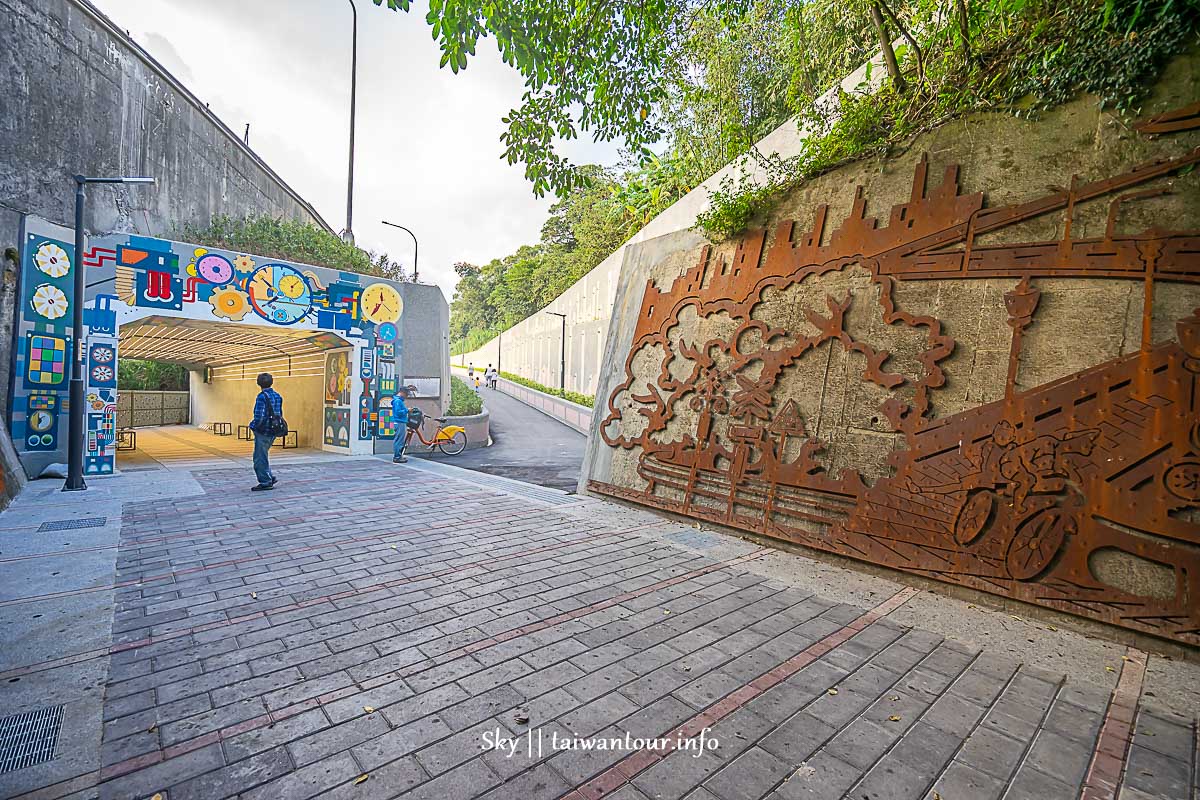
{"x":749,"y":379}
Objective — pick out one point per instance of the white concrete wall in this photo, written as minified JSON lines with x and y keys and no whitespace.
{"x":531,"y":348}
{"x":232,"y":401}
{"x":570,"y":414}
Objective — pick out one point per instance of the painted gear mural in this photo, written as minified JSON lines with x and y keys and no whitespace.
{"x":229,"y":303}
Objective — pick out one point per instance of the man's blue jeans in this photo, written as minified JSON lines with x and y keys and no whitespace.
{"x":262,"y":468}
{"x":400,"y":441}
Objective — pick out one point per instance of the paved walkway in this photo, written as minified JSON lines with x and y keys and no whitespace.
{"x":186,"y":447}
{"x":526,"y":445}
{"x":363,"y":632}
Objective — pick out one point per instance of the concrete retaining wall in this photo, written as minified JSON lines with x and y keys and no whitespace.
{"x":78,"y":96}
{"x":232,"y":401}
{"x":571,"y":414}
{"x":974,"y":362}
{"x":12,"y":474}
{"x":532,"y":347}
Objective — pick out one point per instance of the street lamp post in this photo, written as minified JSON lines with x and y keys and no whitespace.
{"x":75,"y":433}
{"x":562,"y":358}
{"x":348,"y":234}
{"x":415,"y":246}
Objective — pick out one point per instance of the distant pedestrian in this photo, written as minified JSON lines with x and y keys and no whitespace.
{"x":470,"y":371}
{"x":476,"y":384}
{"x":268,"y":423}
{"x":489,"y":377}
{"x":400,"y":423}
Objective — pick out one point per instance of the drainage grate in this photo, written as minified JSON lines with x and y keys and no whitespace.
{"x":30,"y":738}
{"x":67,"y":524}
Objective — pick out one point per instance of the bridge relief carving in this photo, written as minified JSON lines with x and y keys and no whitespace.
{"x":1079,"y":494}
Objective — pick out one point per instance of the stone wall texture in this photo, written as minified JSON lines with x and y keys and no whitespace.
{"x":975,"y":361}
{"x":77,"y":96}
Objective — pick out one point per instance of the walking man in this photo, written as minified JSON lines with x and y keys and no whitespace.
{"x":268,"y":420}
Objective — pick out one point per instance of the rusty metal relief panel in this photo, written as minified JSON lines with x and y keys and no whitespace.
{"x":1046,"y":495}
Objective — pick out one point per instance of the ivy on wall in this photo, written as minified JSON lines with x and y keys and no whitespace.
{"x":1021,"y":57}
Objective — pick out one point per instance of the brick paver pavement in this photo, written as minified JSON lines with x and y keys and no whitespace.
{"x":371,"y":631}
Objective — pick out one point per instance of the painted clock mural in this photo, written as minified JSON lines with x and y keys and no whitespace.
{"x":279,"y":293}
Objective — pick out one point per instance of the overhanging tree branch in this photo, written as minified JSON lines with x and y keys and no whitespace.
{"x":917,"y":52}
{"x":885,"y":45}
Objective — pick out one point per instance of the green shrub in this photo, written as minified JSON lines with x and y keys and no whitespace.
{"x":134,"y":374}
{"x":574,"y":397}
{"x":291,"y":240}
{"x":463,"y":400}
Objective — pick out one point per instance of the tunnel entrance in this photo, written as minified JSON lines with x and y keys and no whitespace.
{"x":334,"y":341}
{"x":225,"y":360}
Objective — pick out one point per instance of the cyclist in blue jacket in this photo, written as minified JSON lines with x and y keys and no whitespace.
{"x":400,"y":423}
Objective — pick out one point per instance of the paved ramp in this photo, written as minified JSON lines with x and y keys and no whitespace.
{"x":527,"y":445}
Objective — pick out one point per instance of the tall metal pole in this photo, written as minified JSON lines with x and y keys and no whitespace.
{"x":75,"y":481}
{"x":348,"y":234}
{"x":75,"y":425}
{"x":416,"y":247}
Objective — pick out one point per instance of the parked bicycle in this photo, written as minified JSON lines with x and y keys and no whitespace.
{"x":450,"y":439}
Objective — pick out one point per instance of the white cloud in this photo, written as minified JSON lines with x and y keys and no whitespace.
{"x":428,"y":154}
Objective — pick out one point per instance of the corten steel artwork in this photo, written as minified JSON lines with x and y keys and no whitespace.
{"x":1028,"y":496}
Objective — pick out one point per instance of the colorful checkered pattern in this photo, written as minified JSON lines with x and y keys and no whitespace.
{"x":47,"y":360}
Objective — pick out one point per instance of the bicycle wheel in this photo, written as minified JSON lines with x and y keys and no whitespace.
{"x":454,"y":445}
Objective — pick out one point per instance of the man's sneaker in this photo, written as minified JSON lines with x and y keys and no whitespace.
{"x":274,"y":480}
{"x":262,"y":487}
{"x":400,"y":460}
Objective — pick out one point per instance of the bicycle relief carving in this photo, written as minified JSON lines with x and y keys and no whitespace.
{"x":804,"y":391}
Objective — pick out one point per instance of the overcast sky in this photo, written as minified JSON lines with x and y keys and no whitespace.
{"x":427,"y":142}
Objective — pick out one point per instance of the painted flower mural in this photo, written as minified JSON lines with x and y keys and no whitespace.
{"x":49,"y":301}
{"x":52,"y":260}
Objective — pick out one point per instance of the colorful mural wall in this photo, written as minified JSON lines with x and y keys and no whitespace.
{"x":133,"y":277}
{"x":926,"y":392}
